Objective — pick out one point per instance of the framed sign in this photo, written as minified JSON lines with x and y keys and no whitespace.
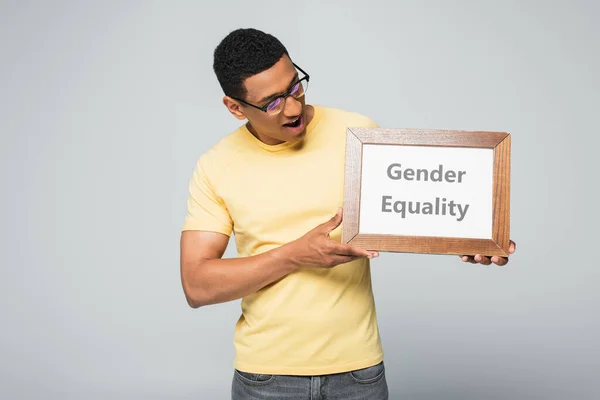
{"x":427,"y":191}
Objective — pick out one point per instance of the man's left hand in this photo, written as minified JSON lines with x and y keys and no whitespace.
{"x":485,"y":260}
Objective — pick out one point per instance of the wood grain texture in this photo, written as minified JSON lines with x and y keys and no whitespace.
{"x":350,"y":223}
{"x":427,"y":245}
{"x":429,"y":137}
{"x":501,"y":198}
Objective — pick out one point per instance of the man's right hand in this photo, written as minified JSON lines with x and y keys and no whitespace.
{"x":316,"y":248}
{"x":208,"y":278}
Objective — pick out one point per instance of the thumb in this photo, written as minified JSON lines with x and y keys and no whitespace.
{"x":335,"y":221}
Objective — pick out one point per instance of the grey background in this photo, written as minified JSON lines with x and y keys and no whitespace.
{"x":106,"y":106}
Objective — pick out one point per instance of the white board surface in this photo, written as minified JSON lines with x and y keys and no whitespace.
{"x":404,"y":193}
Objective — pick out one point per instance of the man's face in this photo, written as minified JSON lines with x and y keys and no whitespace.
{"x":287,"y":126}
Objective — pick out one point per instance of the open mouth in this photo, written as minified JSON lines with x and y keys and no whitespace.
{"x":294,"y":124}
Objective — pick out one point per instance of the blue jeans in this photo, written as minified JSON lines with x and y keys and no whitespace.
{"x":363,"y":384}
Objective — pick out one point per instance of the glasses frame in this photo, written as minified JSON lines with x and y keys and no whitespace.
{"x":284,"y":96}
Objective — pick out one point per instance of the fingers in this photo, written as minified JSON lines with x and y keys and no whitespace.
{"x":347,"y":250}
{"x":337,"y":260}
{"x":500,"y":260}
{"x":334,"y":222}
{"x":468,"y":259}
{"x":342,"y":259}
{"x":481,"y":259}
{"x":512,"y":248}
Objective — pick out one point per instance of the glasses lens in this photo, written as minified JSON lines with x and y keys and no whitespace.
{"x":297,"y":91}
{"x":275,"y":106}
{"x":300,"y":89}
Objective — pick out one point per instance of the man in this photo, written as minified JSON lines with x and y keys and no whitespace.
{"x":308,"y":327}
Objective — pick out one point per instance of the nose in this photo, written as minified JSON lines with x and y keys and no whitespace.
{"x":292,"y":107}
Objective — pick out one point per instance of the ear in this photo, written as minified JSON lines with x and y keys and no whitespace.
{"x":234,"y":108}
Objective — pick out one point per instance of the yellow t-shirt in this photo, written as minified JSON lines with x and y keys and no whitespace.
{"x":315,"y":320}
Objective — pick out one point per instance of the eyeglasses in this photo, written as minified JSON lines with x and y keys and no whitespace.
{"x":274,"y":107}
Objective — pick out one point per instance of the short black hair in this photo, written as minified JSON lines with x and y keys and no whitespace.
{"x":242,"y":54}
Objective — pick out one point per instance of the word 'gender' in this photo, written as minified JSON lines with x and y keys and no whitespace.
{"x":395,"y":172}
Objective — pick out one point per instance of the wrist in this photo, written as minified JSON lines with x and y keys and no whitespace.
{"x":285,"y":256}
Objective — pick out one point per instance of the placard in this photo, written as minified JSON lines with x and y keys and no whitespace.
{"x":427,"y":191}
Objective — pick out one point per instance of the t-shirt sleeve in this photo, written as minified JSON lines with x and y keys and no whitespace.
{"x":363,"y":121}
{"x":206,"y":211}
{"x":370,"y":123}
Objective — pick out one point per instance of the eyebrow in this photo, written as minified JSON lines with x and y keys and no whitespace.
{"x":265,"y":99}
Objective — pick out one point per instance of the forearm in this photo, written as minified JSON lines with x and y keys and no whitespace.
{"x":221,"y":280}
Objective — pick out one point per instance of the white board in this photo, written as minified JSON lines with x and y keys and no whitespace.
{"x":422,"y":203}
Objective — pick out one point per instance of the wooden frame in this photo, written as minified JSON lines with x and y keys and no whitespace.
{"x":498,"y":141}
